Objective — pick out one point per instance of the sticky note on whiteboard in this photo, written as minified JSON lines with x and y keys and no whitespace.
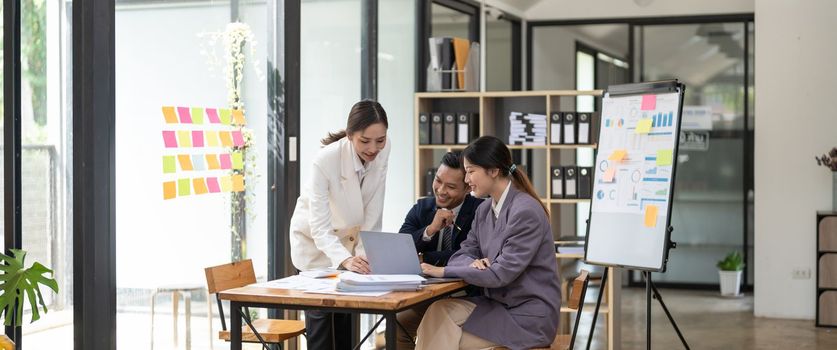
{"x":609,"y":174}
{"x":651,"y":215}
{"x":643,"y":126}
{"x":664,"y":157}
{"x":649,"y":102}
{"x":618,"y":155}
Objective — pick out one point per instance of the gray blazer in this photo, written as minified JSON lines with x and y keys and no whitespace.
{"x":522,"y":295}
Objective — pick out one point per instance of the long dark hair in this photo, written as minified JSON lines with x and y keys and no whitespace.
{"x":488,"y":152}
{"x":362,"y":115}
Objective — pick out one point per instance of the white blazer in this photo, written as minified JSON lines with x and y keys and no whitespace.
{"x":333,"y":207}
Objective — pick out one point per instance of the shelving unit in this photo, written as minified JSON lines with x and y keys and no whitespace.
{"x":826,"y":269}
{"x":493,"y":109}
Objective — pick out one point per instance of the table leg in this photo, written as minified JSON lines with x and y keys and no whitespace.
{"x":209,"y":317}
{"x":235,"y":325}
{"x":188,"y":297}
{"x":391,"y":331}
{"x":175,"y":298}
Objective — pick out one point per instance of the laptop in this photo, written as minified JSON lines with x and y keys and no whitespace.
{"x":394,"y":254}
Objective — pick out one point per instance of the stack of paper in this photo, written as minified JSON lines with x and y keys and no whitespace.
{"x":527,"y":129}
{"x":353,"y":282}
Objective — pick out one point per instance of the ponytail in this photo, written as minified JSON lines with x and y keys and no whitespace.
{"x":333,"y":137}
{"x":489,"y":152}
{"x":522,"y":183}
{"x":363,"y":114}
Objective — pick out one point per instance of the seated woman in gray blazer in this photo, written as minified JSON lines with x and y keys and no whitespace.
{"x":509,"y":252}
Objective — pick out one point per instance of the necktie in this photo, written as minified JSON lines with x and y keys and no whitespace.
{"x":447,"y":239}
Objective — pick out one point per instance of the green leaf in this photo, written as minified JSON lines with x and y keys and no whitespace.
{"x":18,"y":284}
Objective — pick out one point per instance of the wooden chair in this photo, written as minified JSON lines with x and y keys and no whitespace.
{"x":576,"y":302}
{"x":266,"y":331}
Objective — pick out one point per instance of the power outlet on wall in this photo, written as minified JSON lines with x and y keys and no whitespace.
{"x":801,"y":273}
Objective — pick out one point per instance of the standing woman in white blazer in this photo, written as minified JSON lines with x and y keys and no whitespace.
{"x":343,"y":196}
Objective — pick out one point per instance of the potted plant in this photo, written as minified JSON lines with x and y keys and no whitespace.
{"x":18,"y":285}
{"x":830,"y":161}
{"x":730,"y":269}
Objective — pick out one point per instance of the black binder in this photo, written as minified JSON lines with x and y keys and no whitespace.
{"x":570,"y":182}
{"x":436,"y":136}
{"x":448,"y":63}
{"x":585,"y":181}
{"x":424,"y":128}
{"x":450,"y":128}
{"x":557,"y":183}
{"x":555,"y":129}
{"x":570,"y":123}
{"x":584,"y":128}
{"x":429,"y":177}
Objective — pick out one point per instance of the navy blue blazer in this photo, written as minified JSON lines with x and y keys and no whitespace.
{"x":421,"y":215}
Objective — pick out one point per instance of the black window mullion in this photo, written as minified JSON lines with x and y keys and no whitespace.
{"x":94,"y":163}
{"x":369,"y":49}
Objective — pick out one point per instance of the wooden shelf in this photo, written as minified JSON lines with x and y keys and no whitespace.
{"x":568,"y":256}
{"x":567,"y":201}
{"x":444,"y":147}
{"x":449,"y":94}
{"x":587,"y":308}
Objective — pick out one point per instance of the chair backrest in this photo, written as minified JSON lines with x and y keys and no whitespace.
{"x":576,"y":301}
{"x":233,"y":275}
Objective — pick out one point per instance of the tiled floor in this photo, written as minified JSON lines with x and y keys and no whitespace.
{"x":707,"y":321}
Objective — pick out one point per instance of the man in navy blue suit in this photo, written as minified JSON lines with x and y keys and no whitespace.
{"x":438,"y":225}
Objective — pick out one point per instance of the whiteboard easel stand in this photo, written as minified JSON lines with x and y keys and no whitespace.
{"x":633,"y":89}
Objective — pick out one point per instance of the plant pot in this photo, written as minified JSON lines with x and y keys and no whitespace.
{"x":834,"y":190}
{"x":730,"y":283}
{"x":6,"y":343}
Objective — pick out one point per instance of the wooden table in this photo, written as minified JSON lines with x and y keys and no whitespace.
{"x":387,"y":305}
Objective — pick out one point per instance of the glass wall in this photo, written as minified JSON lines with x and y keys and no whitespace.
{"x":190,"y":188}
{"x":448,"y":22}
{"x":709,"y":205}
{"x":498,"y":54}
{"x":46,"y":163}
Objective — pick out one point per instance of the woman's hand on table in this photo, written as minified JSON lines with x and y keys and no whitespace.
{"x":357,"y":264}
{"x":432,"y":271}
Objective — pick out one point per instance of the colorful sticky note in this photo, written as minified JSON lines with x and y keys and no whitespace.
{"x":238,"y":117}
{"x":169,"y":139}
{"x":199,"y":162}
{"x":212,"y":115}
{"x":184,"y":138}
{"x":226,"y":138}
{"x":212,"y":185}
{"x":609,"y":174}
{"x":184,"y":187}
{"x":197,"y":115}
{"x":169,"y":165}
{"x":237,"y":161}
{"x":665,"y":157}
{"x":169,"y":115}
{"x":618,"y":155}
{"x":651,"y":215}
{"x":643,"y":126}
{"x":169,"y":190}
{"x":238,"y":183}
{"x":649,"y":102}
{"x":185,"y":162}
{"x":225,"y":115}
{"x":238,"y":139}
{"x":226,"y":163}
{"x":200,"y":186}
{"x":226,"y":184}
{"x":212,"y":162}
{"x":211,"y":138}
{"x":197,"y":138}
{"x":185,"y":116}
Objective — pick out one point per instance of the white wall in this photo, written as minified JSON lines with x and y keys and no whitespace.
{"x":570,"y":9}
{"x":795,"y":76}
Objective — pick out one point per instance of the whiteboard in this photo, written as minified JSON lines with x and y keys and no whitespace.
{"x":634,"y":172}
